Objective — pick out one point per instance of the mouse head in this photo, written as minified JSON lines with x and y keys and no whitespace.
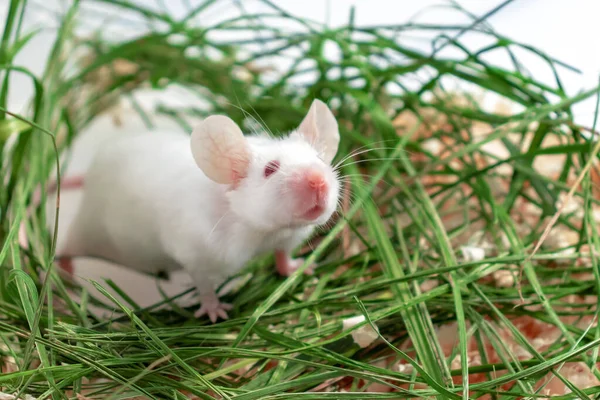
{"x":273,"y":183}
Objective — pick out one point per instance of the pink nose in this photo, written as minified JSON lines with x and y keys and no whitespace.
{"x":311,"y":190}
{"x":316,"y":180}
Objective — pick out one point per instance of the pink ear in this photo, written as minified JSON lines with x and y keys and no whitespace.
{"x":220,"y":150}
{"x":320,"y":129}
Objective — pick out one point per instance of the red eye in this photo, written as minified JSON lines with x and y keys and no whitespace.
{"x":271,"y":168}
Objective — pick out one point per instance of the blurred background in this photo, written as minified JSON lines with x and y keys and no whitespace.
{"x":565,"y":31}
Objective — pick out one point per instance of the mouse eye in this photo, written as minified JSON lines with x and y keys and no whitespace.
{"x":271,"y":168}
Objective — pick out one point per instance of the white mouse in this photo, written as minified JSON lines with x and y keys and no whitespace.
{"x":209,"y":203}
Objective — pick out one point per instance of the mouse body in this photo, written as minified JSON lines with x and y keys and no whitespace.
{"x":208,"y":203}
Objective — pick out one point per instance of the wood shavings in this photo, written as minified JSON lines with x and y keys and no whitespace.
{"x":560,"y":237}
{"x":504,"y":278}
{"x":596,"y":214}
{"x":6,"y":396}
{"x":571,"y":205}
{"x":577,"y":373}
{"x":455,"y":364}
{"x":405,"y":368}
{"x":472,"y":253}
{"x":481,"y":240}
{"x":363,"y":336}
{"x":434,"y":146}
{"x":541,"y":336}
{"x":429,"y":284}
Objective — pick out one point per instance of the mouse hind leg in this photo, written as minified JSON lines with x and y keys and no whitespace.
{"x":286,"y":265}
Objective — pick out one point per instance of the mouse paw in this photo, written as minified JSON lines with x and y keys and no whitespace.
{"x":289,"y":266}
{"x":212,"y":307}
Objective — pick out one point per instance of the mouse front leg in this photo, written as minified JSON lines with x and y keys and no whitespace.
{"x":210,"y":304}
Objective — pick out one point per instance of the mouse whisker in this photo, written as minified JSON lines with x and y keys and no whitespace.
{"x":217,"y":223}
{"x":345,"y":178}
{"x":370,"y":159}
{"x":353,"y":152}
{"x":283,"y":173}
{"x":264,"y":124}
{"x":366,"y":148}
{"x":340,"y":163}
{"x":360,"y":150}
{"x":253,"y":118}
{"x":357,"y":153}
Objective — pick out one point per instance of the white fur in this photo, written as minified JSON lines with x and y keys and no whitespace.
{"x":148,"y":206}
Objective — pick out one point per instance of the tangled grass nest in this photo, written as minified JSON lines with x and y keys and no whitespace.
{"x":462,"y":263}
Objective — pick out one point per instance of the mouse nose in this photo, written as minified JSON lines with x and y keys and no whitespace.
{"x":316,"y":179}
{"x":311,"y":190}
{"x":316,"y":185}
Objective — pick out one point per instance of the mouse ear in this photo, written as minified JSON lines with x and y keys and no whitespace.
{"x":320,"y":129}
{"x":220,"y":149}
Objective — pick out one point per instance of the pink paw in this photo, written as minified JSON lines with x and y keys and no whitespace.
{"x":292,"y":265}
{"x":214,"y":309}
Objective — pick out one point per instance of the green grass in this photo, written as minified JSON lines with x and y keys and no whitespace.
{"x":288,"y":332}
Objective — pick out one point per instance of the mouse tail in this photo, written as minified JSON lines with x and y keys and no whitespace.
{"x":64,"y":261}
{"x":68,"y":183}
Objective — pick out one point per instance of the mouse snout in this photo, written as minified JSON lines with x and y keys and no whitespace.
{"x":315,"y":184}
{"x":311,"y":190}
{"x":316,"y":180}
